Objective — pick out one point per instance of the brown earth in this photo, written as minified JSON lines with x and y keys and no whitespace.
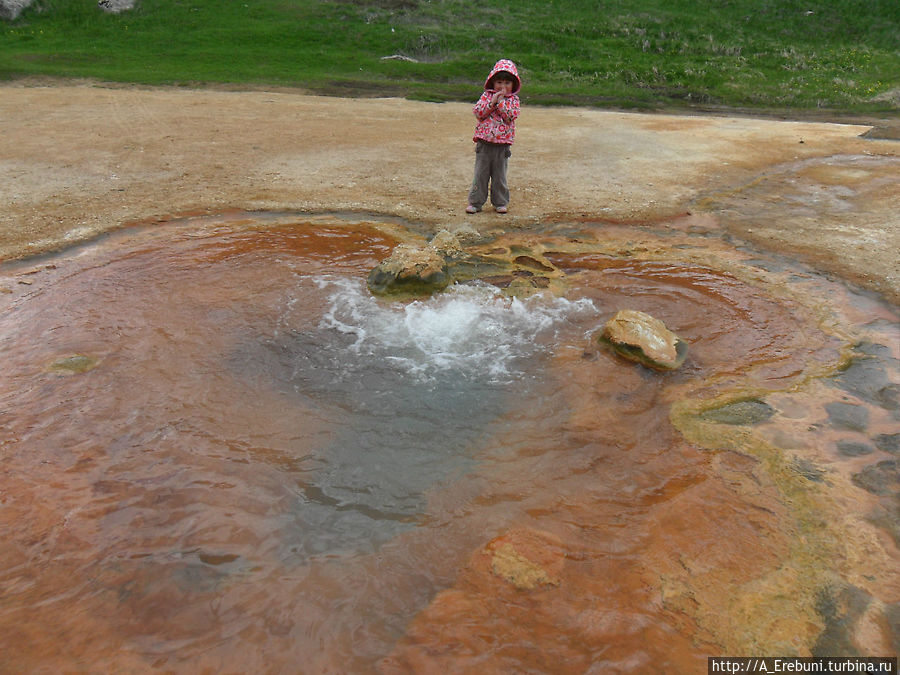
{"x":80,"y":159}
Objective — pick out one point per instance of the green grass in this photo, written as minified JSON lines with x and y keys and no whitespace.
{"x":841,"y":55}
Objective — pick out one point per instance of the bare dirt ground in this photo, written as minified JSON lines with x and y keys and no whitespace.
{"x":80,"y":159}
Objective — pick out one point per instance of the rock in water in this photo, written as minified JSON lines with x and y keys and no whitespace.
{"x":642,"y":338}
{"x":509,"y":564}
{"x":446,"y":244}
{"x":748,"y":411}
{"x":410,"y":270}
{"x":77,"y":363}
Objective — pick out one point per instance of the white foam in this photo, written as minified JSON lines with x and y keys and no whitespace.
{"x":468,"y":328}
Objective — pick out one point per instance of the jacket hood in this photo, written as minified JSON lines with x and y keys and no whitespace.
{"x":506,"y":66}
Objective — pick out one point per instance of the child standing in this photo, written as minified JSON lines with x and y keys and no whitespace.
{"x":496,"y":112}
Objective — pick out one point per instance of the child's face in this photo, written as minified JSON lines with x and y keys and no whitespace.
{"x":503,"y":84}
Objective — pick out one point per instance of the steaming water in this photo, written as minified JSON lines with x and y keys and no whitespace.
{"x":220,"y":453}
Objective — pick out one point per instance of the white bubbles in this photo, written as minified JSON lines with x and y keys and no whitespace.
{"x":468,"y":329}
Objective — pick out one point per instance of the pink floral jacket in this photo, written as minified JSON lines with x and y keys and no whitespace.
{"x":497,"y":124}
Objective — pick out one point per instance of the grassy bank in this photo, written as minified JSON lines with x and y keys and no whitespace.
{"x":835,"y":54}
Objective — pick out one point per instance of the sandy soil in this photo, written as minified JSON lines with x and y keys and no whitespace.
{"x":80,"y":159}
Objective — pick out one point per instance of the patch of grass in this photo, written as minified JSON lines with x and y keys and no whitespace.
{"x":836,"y":54}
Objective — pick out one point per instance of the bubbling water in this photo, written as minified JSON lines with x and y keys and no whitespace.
{"x":412,"y":388}
{"x":470,"y":330}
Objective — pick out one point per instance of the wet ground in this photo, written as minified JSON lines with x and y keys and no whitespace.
{"x":219,"y":452}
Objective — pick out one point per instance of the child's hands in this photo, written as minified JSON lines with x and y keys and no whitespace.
{"x":504,"y":87}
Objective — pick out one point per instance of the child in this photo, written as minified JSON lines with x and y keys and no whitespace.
{"x":496,"y":111}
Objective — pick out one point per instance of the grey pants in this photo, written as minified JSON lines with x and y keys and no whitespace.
{"x":491,"y":160}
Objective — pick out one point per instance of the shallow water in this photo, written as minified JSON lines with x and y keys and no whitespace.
{"x":220,"y":452}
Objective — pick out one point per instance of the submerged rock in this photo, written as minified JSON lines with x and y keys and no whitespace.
{"x":746,"y":412}
{"x":526,"y":559}
{"x":847,"y":416}
{"x":509,"y":564}
{"x":888,"y":443}
{"x":642,"y":338}
{"x":866,"y":376}
{"x":808,"y":469}
{"x":854,"y":449}
{"x":77,"y":363}
{"x":840,"y":610}
{"x":410,"y":270}
{"x":881,"y":479}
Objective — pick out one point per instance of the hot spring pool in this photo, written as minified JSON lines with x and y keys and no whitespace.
{"x":220,"y":453}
